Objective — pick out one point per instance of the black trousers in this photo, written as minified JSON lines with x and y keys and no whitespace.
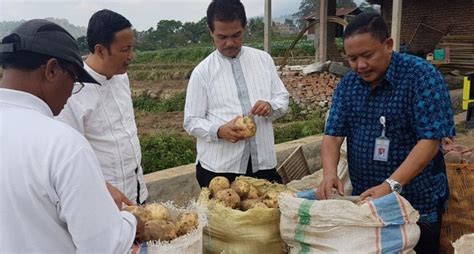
{"x":205,"y":176}
{"x":430,"y":235}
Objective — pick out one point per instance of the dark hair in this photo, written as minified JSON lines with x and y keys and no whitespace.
{"x":371,"y":23}
{"x":103,"y":26}
{"x":226,"y":11}
{"x":27,"y":60}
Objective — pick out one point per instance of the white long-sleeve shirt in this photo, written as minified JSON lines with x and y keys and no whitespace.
{"x":104,"y":115}
{"x":53,"y":195}
{"x":214,"y":98}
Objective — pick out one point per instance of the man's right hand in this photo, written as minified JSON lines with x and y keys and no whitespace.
{"x":230,"y":132}
{"x":329,"y":182}
{"x":118,"y":197}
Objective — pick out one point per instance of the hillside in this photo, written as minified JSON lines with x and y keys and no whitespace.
{"x":77,"y":31}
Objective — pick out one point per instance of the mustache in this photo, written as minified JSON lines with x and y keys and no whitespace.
{"x":232,"y":48}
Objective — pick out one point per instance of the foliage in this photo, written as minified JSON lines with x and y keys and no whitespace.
{"x":166,"y":151}
{"x":148,"y":103}
{"x":307,"y":7}
{"x":298,"y":129}
{"x":83,"y":46}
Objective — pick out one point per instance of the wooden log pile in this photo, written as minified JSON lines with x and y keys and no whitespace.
{"x":313,"y":91}
{"x":459,"y":52}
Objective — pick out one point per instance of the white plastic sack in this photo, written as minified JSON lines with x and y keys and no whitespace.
{"x":383,"y":225}
{"x":186,"y":244}
{"x":464,"y":245}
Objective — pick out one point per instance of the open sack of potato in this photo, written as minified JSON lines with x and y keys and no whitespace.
{"x":383,"y":225}
{"x":243,"y":216}
{"x":464,"y":245}
{"x":169,"y":228}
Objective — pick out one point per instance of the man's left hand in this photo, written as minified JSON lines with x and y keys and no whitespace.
{"x":377,"y":191}
{"x":261,"y":108}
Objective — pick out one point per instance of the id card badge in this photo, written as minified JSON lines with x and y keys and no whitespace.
{"x":382,"y":144}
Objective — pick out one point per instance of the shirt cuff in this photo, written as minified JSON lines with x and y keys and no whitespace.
{"x":213,"y":132}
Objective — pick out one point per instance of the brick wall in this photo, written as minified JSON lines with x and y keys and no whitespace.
{"x":455,"y":17}
{"x":310,"y":92}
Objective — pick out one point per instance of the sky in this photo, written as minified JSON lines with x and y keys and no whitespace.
{"x":143,"y":14}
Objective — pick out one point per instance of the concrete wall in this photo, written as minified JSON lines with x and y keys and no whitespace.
{"x":180,"y":184}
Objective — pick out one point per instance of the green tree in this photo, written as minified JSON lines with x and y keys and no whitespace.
{"x":306,"y":8}
{"x":255,"y":28}
{"x":83,"y":46}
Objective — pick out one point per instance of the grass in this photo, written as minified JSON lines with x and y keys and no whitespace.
{"x":146,"y":102}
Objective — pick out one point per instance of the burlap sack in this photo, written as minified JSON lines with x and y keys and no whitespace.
{"x":255,"y":231}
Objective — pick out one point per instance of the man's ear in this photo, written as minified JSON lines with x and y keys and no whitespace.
{"x":100,"y":51}
{"x":389,"y":44}
{"x":52,"y":69}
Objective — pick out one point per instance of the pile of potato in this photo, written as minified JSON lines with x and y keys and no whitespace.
{"x":159,"y":226}
{"x":241,"y":194}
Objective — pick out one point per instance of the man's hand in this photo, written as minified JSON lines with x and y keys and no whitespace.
{"x":230,"y":132}
{"x":261,"y":108}
{"x":118,"y":197}
{"x":377,"y":191}
{"x":329,"y":182}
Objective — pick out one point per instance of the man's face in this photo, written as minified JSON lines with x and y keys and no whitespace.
{"x":368,"y":56}
{"x":120,"y":54}
{"x":60,"y":88}
{"x":228,"y":37}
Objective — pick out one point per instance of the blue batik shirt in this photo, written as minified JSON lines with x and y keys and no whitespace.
{"x":414,"y":99}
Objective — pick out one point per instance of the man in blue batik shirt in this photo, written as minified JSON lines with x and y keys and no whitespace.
{"x":394,"y":109}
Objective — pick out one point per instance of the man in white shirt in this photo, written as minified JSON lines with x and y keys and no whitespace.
{"x":233,"y":81}
{"x":104,"y":114}
{"x":53,"y":195}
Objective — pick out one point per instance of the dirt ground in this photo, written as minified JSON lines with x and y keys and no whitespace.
{"x":162,"y":89}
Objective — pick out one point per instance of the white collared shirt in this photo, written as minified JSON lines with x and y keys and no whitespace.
{"x":212,"y":99}
{"x":53,"y":195}
{"x":104,"y":115}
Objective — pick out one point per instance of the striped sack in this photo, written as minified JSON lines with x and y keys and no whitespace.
{"x":383,"y":225}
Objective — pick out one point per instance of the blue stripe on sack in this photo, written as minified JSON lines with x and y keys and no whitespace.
{"x":388,"y":209}
{"x":304,"y":219}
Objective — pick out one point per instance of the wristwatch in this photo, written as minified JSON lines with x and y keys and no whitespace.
{"x":394,"y":185}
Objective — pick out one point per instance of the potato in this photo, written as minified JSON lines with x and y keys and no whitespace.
{"x":158,"y":211}
{"x":260,"y":205}
{"x":250,"y":128}
{"x":248,"y":204}
{"x":242,"y":188}
{"x":271,"y":199}
{"x":229,"y":198}
{"x":453,"y":157}
{"x":218,"y":183}
{"x":159,"y":230}
{"x":186,"y":222}
{"x":253,"y":193}
{"x":140,"y":212}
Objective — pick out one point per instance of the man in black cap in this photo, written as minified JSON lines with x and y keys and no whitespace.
{"x":54,"y":197}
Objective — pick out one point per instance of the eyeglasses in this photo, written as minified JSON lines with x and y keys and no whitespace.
{"x":78,"y":85}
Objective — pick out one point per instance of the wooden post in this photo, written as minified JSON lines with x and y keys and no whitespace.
{"x":323,"y":29}
{"x":267,"y":44}
{"x":396,"y":23}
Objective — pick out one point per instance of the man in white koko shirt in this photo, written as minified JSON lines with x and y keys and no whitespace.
{"x":104,"y":114}
{"x":233,"y":81}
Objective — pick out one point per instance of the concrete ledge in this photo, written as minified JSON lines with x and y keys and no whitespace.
{"x":180,"y":185}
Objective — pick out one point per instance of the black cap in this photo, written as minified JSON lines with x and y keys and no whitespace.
{"x":47,"y":38}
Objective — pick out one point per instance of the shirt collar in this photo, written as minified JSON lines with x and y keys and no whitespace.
{"x":97,"y":76}
{"x":241,"y":52}
{"x":24,"y":100}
